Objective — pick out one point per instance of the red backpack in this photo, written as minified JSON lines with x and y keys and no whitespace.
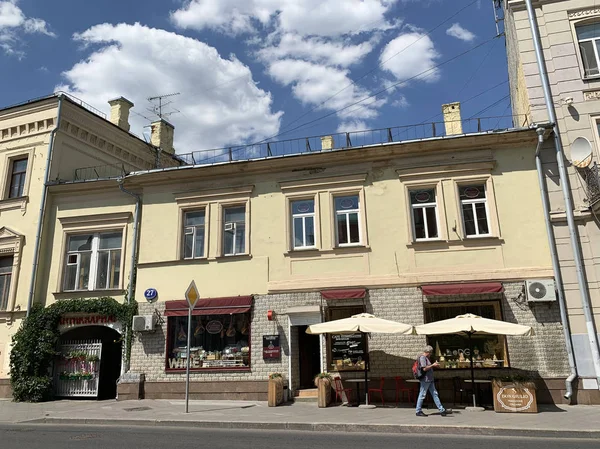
{"x":416,"y":369}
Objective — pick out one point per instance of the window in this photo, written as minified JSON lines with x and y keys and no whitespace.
{"x":193,"y":234}
{"x":234,"y":230}
{"x":424,"y":214}
{"x":473,"y":203}
{"x":589,"y":37}
{"x":6,"y":264}
{"x":93,"y":261}
{"x":346,"y":352}
{"x":453,"y":351}
{"x":17,"y":178}
{"x":217,"y":341}
{"x":347,"y":211}
{"x":303,"y":223}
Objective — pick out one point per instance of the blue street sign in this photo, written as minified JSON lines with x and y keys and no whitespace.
{"x":151,"y":294}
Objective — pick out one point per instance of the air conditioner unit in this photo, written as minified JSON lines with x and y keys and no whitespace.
{"x":229,"y":226}
{"x":144,"y":323}
{"x":540,"y":290}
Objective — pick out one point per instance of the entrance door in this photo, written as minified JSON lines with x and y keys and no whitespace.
{"x":309,"y":352}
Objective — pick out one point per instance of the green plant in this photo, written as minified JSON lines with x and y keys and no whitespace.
{"x":34,"y":344}
{"x":325,"y":377}
{"x":276,"y":376}
{"x":92,"y":358}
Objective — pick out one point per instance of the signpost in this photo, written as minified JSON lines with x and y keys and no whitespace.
{"x":191,"y":295}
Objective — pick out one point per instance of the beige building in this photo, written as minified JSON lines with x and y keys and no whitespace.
{"x":570,"y":32}
{"x":54,"y":139}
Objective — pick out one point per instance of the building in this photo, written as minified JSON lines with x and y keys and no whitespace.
{"x":57,"y":138}
{"x":569,"y":31}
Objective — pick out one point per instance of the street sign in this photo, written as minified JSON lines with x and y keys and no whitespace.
{"x":192,"y":295}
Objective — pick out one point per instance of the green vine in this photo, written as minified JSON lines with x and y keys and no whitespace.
{"x":35,"y":343}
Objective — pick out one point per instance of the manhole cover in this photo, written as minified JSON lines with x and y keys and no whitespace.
{"x":137,"y":409}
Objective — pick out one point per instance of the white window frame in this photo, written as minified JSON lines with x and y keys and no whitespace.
{"x":184,"y":232}
{"x":594,"y":40}
{"x":5,"y":295}
{"x":473,"y":202}
{"x":356,"y":211}
{"x":233,"y":228}
{"x":11,"y":174}
{"x":303,"y":216}
{"x":423,"y":206}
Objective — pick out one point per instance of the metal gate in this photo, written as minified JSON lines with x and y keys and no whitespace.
{"x":77,"y":371}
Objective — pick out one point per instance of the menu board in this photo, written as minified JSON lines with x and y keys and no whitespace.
{"x":348,"y":351}
{"x":271,"y":347}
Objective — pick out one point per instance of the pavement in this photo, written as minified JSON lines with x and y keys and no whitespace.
{"x":579,"y":421}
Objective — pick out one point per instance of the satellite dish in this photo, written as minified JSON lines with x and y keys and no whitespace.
{"x":581,"y":152}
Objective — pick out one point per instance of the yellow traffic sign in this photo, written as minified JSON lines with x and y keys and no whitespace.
{"x":192,"y":295}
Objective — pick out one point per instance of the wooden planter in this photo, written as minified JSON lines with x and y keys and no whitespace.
{"x":275,"y":392}
{"x":514,"y":397}
{"x":323,"y":393}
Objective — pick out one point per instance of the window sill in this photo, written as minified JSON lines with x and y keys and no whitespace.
{"x":245,"y":256}
{"x":426,"y":242}
{"x":14,"y":203}
{"x":336,"y":250}
{"x":88,"y":293}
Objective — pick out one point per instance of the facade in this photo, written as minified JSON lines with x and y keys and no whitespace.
{"x":569,"y":31}
{"x":61,"y":139}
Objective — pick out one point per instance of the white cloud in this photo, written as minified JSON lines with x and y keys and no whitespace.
{"x":307,"y":17}
{"x":13,"y":23}
{"x":461,"y":33}
{"x":409,"y":55}
{"x":137,"y":62}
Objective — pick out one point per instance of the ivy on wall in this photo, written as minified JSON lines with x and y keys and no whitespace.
{"x":35,"y":343}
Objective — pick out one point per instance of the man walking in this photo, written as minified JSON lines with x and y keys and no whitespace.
{"x":427,"y":383}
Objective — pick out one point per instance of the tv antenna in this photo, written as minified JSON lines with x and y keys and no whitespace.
{"x":158,"y":104}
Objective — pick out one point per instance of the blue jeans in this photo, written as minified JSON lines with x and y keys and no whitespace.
{"x":425,"y":387}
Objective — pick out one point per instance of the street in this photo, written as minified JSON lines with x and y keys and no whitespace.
{"x":15,"y":436}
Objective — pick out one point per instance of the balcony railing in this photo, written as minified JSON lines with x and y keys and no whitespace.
{"x":102,"y":172}
{"x":591,"y":176}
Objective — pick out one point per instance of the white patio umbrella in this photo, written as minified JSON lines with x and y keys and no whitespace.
{"x":365,"y":323}
{"x":470,"y":325}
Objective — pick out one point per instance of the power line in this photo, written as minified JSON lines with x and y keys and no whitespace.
{"x":490,"y":106}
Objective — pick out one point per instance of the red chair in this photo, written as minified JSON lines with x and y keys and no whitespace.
{"x":340,"y":390}
{"x":378,"y":390}
{"x":401,"y":388}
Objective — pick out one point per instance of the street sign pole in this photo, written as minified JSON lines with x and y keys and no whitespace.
{"x":191,"y":295}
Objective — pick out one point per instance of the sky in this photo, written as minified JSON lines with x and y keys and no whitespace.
{"x":250,"y":70}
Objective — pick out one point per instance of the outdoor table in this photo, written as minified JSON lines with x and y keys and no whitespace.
{"x":357,"y":382}
{"x":477,"y":382}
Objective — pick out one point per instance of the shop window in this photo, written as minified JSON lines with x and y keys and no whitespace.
{"x":217,"y":342}
{"x":346,"y":352}
{"x":424,"y":214}
{"x":17,"y":178}
{"x":193,"y":234}
{"x":303,"y":223}
{"x":6,"y":265}
{"x":453,"y":351}
{"x":588,"y":37}
{"x":473,"y":202}
{"x":347,"y":212}
{"x":234,"y":230}
{"x":93,"y":261}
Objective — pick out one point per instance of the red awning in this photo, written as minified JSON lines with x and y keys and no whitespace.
{"x":462,"y":289}
{"x":350,"y":293}
{"x":210,"y":306}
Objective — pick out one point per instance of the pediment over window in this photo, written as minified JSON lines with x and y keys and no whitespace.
{"x":7,"y":233}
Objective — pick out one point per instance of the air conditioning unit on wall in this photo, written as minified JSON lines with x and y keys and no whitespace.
{"x":540,"y":290}
{"x":144,"y":323}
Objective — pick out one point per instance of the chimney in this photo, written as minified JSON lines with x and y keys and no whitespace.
{"x":119,"y":112}
{"x":162,"y":135}
{"x":327,"y":143}
{"x":452,"y":119}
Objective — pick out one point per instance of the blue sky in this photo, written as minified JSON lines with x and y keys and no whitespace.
{"x":252,"y":69}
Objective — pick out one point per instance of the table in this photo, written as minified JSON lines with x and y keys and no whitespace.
{"x":477,"y":383}
{"x":357,"y":382}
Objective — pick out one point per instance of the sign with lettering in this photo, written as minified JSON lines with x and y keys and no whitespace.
{"x":348,"y":351}
{"x":75,"y":320}
{"x":214,"y":327}
{"x":271,"y":347}
{"x":514,"y":399}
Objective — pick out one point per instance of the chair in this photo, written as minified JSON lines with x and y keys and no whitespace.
{"x":377,"y":390}
{"x":403,"y":388}
{"x":461,"y":390}
{"x":340,"y":390}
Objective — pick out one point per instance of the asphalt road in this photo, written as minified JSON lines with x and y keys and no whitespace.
{"x":96,"y":437}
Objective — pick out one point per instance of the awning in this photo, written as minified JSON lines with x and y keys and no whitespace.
{"x":349,"y":293}
{"x":210,"y":306}
{"x":462,"y":289}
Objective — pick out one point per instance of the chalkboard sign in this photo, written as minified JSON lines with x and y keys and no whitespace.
{"x":348,"y":351}
{"x":271,"y":347}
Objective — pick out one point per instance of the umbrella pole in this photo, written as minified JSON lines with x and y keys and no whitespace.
{"x":366,"y":384}
{"x":472,"y":370}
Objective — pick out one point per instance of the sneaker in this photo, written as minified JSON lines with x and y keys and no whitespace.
{"x":422,"y":414}
{"x":444,"y":413}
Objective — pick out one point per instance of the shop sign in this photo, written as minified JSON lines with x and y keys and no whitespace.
{"x":271,"y":347}
{"x":72,"y":321}
{"x":179,"y":363}
{"x":214,"y":327}
{"x":515,"y":399}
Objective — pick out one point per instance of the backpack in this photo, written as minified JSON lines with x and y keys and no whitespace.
{"x":416,"y":369}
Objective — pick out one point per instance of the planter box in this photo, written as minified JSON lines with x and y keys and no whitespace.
{"x":512,"y":397}
{"x":275,"y":393}
{"x":323,"y":393}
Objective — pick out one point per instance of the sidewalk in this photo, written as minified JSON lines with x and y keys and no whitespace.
{"x":556,"y":421}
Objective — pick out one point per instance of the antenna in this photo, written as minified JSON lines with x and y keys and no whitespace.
{"x":581,"y":152}
{"x":157,"y":107}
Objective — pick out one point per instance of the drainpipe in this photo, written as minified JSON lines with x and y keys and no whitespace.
{"x":564,"y":182}
{"x":134,"y":246}
{"x":38,"y":236}
{"x":556,"y":267}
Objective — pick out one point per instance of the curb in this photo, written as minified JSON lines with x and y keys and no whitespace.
{"x":324,"y":427}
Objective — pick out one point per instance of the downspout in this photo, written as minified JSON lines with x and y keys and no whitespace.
{"x":38,"y":235}
{"x":134,"y":246}
{"x":564,"y":182}
{"x":556,"y":267}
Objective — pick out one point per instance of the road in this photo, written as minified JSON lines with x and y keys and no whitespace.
{"x":15,"y":436}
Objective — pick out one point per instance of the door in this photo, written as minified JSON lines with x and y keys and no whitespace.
{"x":309,"y":353}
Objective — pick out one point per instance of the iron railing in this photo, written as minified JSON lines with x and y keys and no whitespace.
{"x":102,"y":172}
{"x":591,"y":176}
{"x":73,"y":98}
